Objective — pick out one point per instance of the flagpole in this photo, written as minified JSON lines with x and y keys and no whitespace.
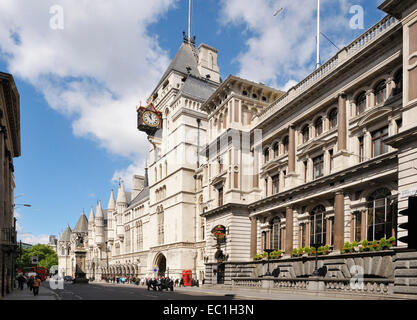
{"x":318,"y":34}
{"x":189,"y":21}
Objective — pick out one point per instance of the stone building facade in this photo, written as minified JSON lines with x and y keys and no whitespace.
{"x":332,"y":160}
{"x":9,"y":149}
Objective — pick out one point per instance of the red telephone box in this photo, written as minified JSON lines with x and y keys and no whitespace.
{"x":187,"y":276}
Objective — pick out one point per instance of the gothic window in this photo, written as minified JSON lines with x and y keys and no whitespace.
{"x":380,"y":215}
{"x":361,"y":103}
{"x":161,"y":227}
{"x":318,"y":126}
{"x":380,"y":92}
{"x":378,"y":145}
{"x":140,"y":236}
{"x":306,"y":133}
{"x":276,"y":234}
{"x":333,"y":118}
{"x":317,"y":225}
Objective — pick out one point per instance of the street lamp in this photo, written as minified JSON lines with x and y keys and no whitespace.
{"x":268,"y":251}
{"x":107,"y":258}
{"x":316,"y":245}
{"x":22,"y":205}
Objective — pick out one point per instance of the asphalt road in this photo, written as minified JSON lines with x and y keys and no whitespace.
{"x":103,"y":291}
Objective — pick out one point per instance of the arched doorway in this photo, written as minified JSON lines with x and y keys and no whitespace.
{"x":161,"y":265}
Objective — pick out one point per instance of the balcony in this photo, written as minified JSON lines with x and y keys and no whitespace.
{"x":8,"y":237}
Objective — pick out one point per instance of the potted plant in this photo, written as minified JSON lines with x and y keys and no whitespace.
{"x":326,"y":249}
{"x":295,"y":253}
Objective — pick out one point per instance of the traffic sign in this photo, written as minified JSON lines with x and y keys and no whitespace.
{"x":35,"y":260}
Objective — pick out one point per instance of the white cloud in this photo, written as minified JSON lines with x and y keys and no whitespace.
{"x":96,"y":70}
{"x":283,"y":47}
{"x":33,"y":239}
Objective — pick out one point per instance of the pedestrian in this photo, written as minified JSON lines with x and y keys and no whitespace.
{"x":30,"y":283}
{"x":21,"y":280}
{"x":36,"y":284}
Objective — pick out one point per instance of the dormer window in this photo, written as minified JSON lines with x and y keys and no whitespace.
{"x":255,"y":96}
{"x":266,"y":155}
{"x":245,"y":93}
{"x":264,"y":99}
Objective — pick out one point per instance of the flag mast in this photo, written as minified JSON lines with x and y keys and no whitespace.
{"x":189,"y":21}
{"x":318,"y":34}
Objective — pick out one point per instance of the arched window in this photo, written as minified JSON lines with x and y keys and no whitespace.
{"x":333,"y":118}
{"x":380,"y":92}
{"x":361,"y":103}
{"x":276,"y":233}
{"x":381,"y":215}
{"x":266,"y":155}
{"x":318,"y":225}
{"x":306,"y":133}
{"x":140,"y":236}
{"x":398,"y":80}
{"x":276,"y":150}
{"x":286,"y":143}
{"x":318,"y":126}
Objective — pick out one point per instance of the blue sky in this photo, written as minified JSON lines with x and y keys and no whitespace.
{"x":79,"y":86}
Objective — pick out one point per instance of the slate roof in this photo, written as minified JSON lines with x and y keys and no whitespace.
{"x":66,"y":236}
{"x":140,"y":197}
{"x":82,"y":225}
{"x":197,"y":88}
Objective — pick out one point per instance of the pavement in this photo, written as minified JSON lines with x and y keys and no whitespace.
{"x":44,"y":294}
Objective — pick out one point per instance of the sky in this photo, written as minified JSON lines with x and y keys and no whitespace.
{"x":82,"y":67}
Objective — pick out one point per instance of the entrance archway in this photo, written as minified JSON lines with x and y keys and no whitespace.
{"x":161,"y":265}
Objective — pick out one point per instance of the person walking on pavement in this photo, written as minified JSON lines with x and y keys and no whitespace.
{"x":36,"y":285}
{"x":30,"y":283}
{"x":21,"y":280}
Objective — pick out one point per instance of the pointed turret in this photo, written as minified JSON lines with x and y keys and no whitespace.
{"x":99,"y":225}
{"x":91,"y":225}
{"x":82,"y":225}
{"x":121,"y":207}
{"x":66,"y":236}
{"x":112,"y":203}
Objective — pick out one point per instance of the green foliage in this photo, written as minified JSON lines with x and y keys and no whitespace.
{"x":295,"y":253}
{"x":374,"y":243}
{"x":46,"y":255}
{"x":365,"y":243}
{"x":355,"y":243}
{"x":347,"y":245}
{"x":392,"y":240}
{"x":301,"y":251}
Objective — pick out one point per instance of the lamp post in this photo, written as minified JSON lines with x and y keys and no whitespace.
{"x":268,"y":251}
{"x":316,"y":270}
{"x":107,"y":259}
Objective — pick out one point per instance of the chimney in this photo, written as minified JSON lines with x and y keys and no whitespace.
{"x":138,"y":185}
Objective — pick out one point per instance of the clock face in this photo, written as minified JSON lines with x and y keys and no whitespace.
{"x":151,"y":119}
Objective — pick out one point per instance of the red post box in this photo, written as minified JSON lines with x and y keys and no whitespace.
{"x":187,"y":276}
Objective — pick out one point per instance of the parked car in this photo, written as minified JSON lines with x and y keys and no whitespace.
{"x":68,"y":278}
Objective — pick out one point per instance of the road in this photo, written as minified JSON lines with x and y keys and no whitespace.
{"x":104,"y":291}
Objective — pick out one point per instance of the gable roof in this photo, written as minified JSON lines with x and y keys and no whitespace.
{"x":144,"y":194}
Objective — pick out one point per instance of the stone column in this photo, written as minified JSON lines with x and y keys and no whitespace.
{"x":342,"y":128}
{"x":253,"y":237}
{"x":339,"y":218}
{"x":289,"y":230}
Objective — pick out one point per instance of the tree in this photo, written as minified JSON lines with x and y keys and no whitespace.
{"x":47,"y":257}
